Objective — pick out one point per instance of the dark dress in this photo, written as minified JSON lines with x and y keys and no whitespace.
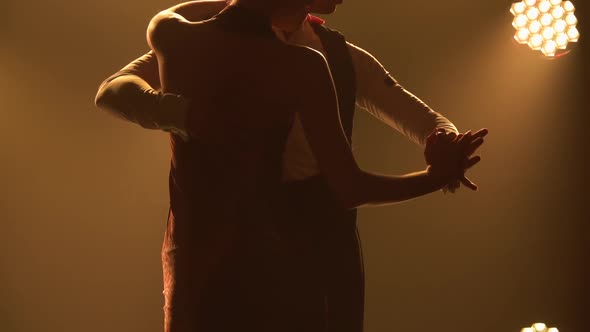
{"x":226,"y":265}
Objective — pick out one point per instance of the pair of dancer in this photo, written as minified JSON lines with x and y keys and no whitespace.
{"x":251,"y":244}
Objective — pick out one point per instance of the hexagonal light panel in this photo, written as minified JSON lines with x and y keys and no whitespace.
{"x":539,"y":327}
{"x":545,"y":25}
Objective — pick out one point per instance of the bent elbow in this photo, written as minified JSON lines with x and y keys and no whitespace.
{"x":103,"y":97}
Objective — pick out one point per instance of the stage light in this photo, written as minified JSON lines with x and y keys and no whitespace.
{"x":535,"y":27}
{"x":573,"y":35}
{"x":544,"y":6}
{"x":535,"y":42}
{"x":560,"y":26}
{"x":561,"y":40}
{"x":545,"y":25}
{"x":539,"y":327}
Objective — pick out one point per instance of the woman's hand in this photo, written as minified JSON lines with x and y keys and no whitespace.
{"x":449,"y":155}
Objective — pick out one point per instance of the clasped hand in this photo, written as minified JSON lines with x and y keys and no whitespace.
{"x":449,"y":155}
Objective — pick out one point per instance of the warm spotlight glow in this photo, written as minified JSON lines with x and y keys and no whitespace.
{"x":539,"y":327}
{"x":561,"y":40}
{"x":544,"y":6}
{"x":571,"y":19}
{"x":549,"y":48}
{"x":546,"y":19}
{"x":545,"y":25}
{"x":535,"y":42}
{"x":518,"y":8}
{"x":532,"y":13}
{"x":522,"y":36}
{"x":559,"y":26}
{"x":553,"y":329}
{"x":548,"y":33}
{"x":520,"y":21}
{"x":527,"y":329}
{"x":535,"y":27}
{"x":557,"y":12}
{"x":573,"y":35}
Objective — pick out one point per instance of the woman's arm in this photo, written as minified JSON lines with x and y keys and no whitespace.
{"x":321,"y":123}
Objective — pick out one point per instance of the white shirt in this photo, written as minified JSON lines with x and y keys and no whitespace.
{"x":127,"y":95}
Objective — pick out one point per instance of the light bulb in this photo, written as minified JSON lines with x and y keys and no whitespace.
{"x":539,"y":327}
{"x":518,"y":8}
{"x":535,"y":27}
{"x":561,"y":40}
{"x":571,"y":19}
{"x":568,"y":6}
{"x":544,"y":6}
{"x":546,"y":19}
{"x":557,"y":12}
{"x":548,"y":33}
{"x":573,"y":34}
{"x":535,"y":42}
{"x":560,"y":26}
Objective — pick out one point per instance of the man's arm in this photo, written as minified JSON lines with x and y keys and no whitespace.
{"x":131,"y":93}
{"x":382,"y":96}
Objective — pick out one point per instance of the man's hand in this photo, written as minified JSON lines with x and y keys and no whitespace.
{"x":449,"y":152}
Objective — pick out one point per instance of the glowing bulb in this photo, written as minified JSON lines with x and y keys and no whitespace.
{"x":520,"y":21}
{"x":544,"y":6}
{"x":568,"y":6}
{"x":518,"y":8}
{"x":532,"y":13}
{"x":535,"y":42}
{"x":548,"y":33}
{"x":553,"y":329}
{"x":561,"y":40}
{"x":555,"y":2}
{"x":535,"y":27}
{"x":571,"y":19}
{"x":527,"y":329}
{"x":522,"y":36}
{"x":560,"y":26}
{"x":539,"y":327}
{"x":546,"y":19}
{"x":573,"y":34}
{"x":530,"y":3}
{"x":549,"y":49}
{"x":557,"y":12}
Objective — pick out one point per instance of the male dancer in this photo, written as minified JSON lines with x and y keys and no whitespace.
{"x":359,"y":79}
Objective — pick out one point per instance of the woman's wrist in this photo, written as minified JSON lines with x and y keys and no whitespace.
{"x":439,"y":177}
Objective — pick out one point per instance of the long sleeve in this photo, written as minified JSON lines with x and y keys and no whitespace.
{"x":131,"y":94}
{"x":383,"y":97}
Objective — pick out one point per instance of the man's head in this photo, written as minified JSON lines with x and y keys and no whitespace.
{"x":323,"y":6}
